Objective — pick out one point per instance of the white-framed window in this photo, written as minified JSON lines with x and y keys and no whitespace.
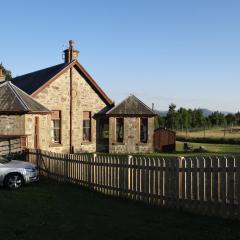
{"x":56,"y":126}
{"x":87,"y":132}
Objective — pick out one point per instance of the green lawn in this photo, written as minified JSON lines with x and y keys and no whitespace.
{"x":51,"y":210}
{"x":213,"y":133}
{"x":212,"y":147}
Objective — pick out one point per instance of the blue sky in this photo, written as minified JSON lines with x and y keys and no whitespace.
{"x":185,"y":52}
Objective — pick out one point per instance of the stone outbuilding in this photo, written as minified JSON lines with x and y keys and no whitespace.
{"x":131,"y":127}
{"x":20,"y":115}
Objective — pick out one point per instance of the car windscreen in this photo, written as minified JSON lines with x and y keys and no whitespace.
{"x":3,"y":160}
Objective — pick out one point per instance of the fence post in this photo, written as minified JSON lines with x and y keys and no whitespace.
{"x":129,"y":176}
{"x":91,"y":160}
{"x":66,"y":157}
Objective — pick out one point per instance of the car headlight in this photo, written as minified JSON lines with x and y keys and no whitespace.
{"x":30,"y":169}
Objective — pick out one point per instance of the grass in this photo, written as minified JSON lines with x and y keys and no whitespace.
{"x":211,"y":147}
{"x":51,"y":210}
{"x":233,"y":133}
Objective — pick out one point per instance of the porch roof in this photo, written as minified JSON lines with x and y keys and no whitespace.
{"x":131,"y":106}
{"x":14,"y":101}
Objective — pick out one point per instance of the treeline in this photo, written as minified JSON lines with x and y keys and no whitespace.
{"x":188,"y":119}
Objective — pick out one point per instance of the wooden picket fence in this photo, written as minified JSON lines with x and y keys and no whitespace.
{"x":205,"y":185}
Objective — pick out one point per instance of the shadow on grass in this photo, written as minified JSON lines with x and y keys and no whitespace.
{"x":48,"y":210}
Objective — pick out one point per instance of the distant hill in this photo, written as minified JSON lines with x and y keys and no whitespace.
{"x":206,"y":112}
{"x":161,"y":113}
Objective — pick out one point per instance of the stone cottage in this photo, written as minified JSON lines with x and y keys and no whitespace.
{"x":75,"y":115}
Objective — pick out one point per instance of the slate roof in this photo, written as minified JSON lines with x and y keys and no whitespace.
{"x":31,"y":82}
{"x":34,"y":82}
{"x":14,"y":100}
{"x":131,"y":106}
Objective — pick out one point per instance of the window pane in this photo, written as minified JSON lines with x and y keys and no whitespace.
{"x":56,"y":123}
{"x":86,"y":126}
{"x":56,"y":135}
{"x":86,"y":134}
{"x":143,"y":130}
{"x":120,"y":130}
{"x":56,"y":131}
{"x":56,"y":126}
{"x":86,"y":123}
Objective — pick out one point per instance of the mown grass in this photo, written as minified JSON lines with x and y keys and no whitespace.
{"x":51,"y":210}
{"x":230,"y":133}
{"x":212,"y":148}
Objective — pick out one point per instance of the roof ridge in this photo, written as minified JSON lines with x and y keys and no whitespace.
{"x":143,"y":104}
{"x":35,"y":82}
{"x":40,"y":70}
{"x":136,"y":99}
{"x":19,"y":97}
{"x":116,"y":106}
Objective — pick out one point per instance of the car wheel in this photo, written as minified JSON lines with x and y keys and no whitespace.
{"x":13,"y":181}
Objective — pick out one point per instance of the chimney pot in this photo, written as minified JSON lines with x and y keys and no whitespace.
{"x":2,"y":76}
{"x":71,"y":53}
{"x":71,"y":44}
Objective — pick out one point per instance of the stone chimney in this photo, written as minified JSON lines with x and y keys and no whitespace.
{"x":71,"y":53}
{"x":2,"y":76}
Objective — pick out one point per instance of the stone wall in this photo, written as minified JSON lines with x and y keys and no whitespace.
{"x":57,"y":97}
{"x":10,"y":145}
{"x":23,"y":125}
{"x":44,"y":130}
{"x":12,"y":125}
{"x":131,"y":142}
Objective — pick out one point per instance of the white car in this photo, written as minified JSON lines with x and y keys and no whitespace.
{"x":14,"y":174}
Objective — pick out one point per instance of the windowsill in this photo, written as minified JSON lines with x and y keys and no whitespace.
{"x":118,"y":143}
{"x":141,"y":144}
{"x":86,"y":143}
{"x":55,"y":145}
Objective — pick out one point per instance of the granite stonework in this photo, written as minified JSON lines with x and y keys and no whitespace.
{"x":12,"y":125}
{"x":24,"y":125}
{"x":131,"y":142}
{"x":56,"y":96}
{"x":44,"y":132}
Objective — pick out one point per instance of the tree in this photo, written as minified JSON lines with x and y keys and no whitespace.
{"x":230,"y":119}
{"x":217,"y":119}
{"x":171,"y":118}
{"x":183,"y":116}
{"x":7,"y":73}
{"x":199,"y":118}
{"x":237,"y":117}
{"x":158,"y":121}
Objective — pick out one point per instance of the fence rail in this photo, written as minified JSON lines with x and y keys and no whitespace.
{"x":205,"y":185}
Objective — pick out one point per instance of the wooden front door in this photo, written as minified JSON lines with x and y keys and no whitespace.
{"x":36,"y":133}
